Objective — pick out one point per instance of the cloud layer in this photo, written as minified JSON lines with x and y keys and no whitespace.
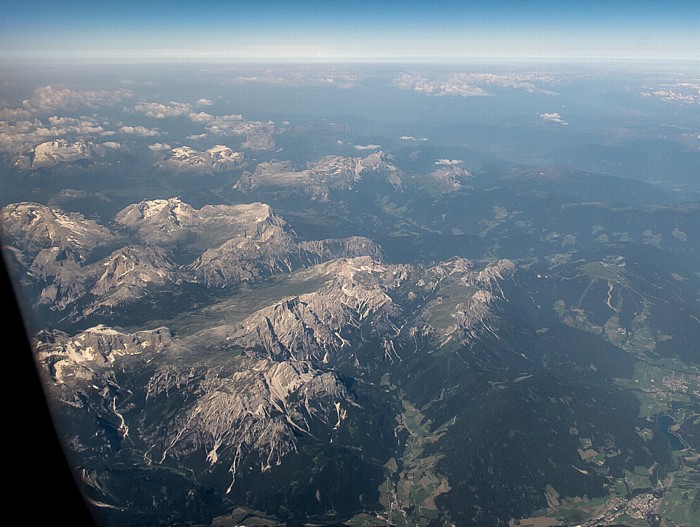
{"x":553,"y":118}
{"x":472,"y":84}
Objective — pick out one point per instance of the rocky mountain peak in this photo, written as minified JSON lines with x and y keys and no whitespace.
{"x":320,"y":176}
{"x":129,"y":272}
{"x":99,"y":347}
{"x":450,"y":178}
{"x":51,"y":153}
{"x":215,"y":159}
{"x":311,"y":326}
{"x":170,"y":221}
{"x":34,"y":227}
{"x":155,"y":210}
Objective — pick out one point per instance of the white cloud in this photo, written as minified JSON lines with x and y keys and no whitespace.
{"x":20,"y":135}
{"x":197,"y":137}
{"x":237,"y":125}
{"x":411,"y":138}
{"x":439,"y":86}
{"x":158,"y":110}
{"x":70,"y":125}
{"x":157,"y":147}
{"x":553,"y":118}
{"x":200,"y":117}
{"x":113,"y":145}
{"x":203,"y":102}
{"x":223,"y":124}
{"x":322,"y":76}
{"x":140,"y":131}
{"x":367,"y":147}
{"x":233,"y":124}
{"x":259,"y":134}
{"x":48,"y":98}
{"x":55,"y":120}
{"x":471,"y":84}
{"x":15,"y":114}
{"x":685,"y":92}
{"x":449,"y":162}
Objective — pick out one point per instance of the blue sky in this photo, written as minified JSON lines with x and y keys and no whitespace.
{"x":272,"y":30}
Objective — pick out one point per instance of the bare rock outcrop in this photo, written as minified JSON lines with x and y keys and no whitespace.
{"x":218,"y":158}
{"x":322,"y":176}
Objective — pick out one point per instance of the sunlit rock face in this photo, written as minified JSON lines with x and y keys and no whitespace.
{"x":242,"y":244}
{"x":323,"y":176}
{"x":450,"y":178}
{"x":63,"y":151}
{"x":218,"y":158}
